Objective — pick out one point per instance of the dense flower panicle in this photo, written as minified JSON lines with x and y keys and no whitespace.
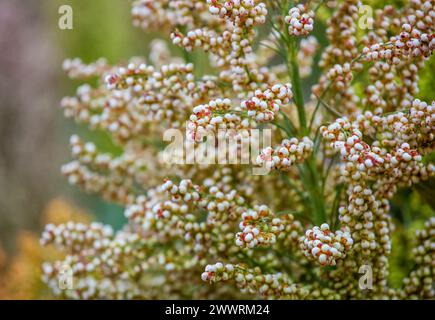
{"x":265,"y":104}
{"x":342,"y":36}
{"x":417,"y":37}
{"x":219,"y":114}
{"x":76,"y":69}
{"x":420,"y":281}
{"x":176,"y":215}
{"x":300,"y":20}
{"x":414,"y":128}
{"x":398,"y":61}
{"x":77,"y":236}
{"x":208,"y":40}
{"x":241,"y":12}
{"x":290,"y":152}
{"x":387,"y":163}
{"x":214,"y":116}
{"x":340,"y":59}
{"x":110,"y":189}
{"x":105,"y":256}
{"x":268,"y":285}
{"x":301,"y":231}
{"x":112,"y":177}
{"x":167,"y":14}
{"x":128,"y":164}
{"x":260,"y":227}
{"x":231,"y":42}
{"x":136,"y":96}
{"x":404,"y":46}
{"x":325,"y":246}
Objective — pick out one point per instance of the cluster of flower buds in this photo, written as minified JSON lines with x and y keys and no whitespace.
{"x":213,"y":116}
{"x":219,"y":114}
{"x":262,"y":227}
{"x":401,"y":47}
{"x":338,"y":79}
{"x":289,"y":153}
{"x":324,"y":246}
{"x":243,"y":13}
{"x":208,"y":40}
{"x":186,"y":190}
{"x":265,"y":104}
{"x":340,"y":76}
{"x":342,"y":49}
{"x":168,"y":14}
{"x":364,"y":208}
{"x":403,"y":168}
{"x":257,"y":230}
{"x":300,"y":20}
{"x":374,"y":162}
{"x":220,"y":204}
{"x":421,"y":116}
{"x":76,"y":237}
{"x":229,"y":51}
{"x":97,"y":261}
{"x":398,"y":59}
{"x":166,"y":209}
{"x":343,"y":43}
{"x":414,"y":127}
{"x":416,"y":39}
{"x":403,"y":153}
{"x":110,"y":188}
{"x":374,"y":99}
{"x":419,"y":284}
{"x":128,"y":165}
{"x":112,"y":177}
{"x":251,"y":280}
{"x":172,"y":210}
{"x":354,"y":149}
{"x":136,"y":96}
{"x":76,"y":69}
{"x":230,"y":42}
{"x":375,"y":171}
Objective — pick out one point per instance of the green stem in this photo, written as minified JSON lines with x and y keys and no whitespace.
{"x":282,"y":128}
{"x":316,"y":192}
{"x":298,"y":95}
{"x":289,"y":124}
{"x":308,"y":170}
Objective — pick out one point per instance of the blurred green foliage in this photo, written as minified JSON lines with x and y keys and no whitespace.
{"x":102,"y":28}
{"x":427,"y":83}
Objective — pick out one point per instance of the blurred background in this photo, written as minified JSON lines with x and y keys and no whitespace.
{"x":34,"y":135}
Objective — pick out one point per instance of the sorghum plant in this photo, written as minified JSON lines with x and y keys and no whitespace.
{"x":338,"y":155}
